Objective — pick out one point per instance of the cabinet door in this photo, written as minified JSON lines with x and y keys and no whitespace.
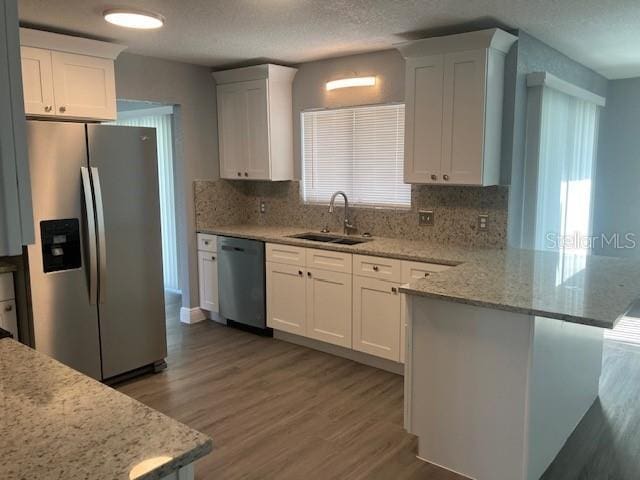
{"x":8,"y":317}
{"x":208,"y":276}
{"x":257,"y":130}
{"x":423,"y":119}
{"x":376,"y":317}
{"x":231,"y":115}
{"x":463,"y":126}
{"x":286,"y":305}
{"x":83,"y":86}
{"x":329,"y":307}
{"x":37,"y":81}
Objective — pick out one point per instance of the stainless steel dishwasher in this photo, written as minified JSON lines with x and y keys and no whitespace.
{"x":241,"y":279}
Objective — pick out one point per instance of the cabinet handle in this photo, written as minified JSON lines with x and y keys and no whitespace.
{"x":239,"y":174}
{"x":300,"y":272}
{"x":48,"y":108}
{"x":375,"y":268}
{"x":394,"y":289}
{"x":426,"y":274}
{"x":308,"y":274}
{"x":434,"y":177}
{"x":63,"y":109}
{"x":8,"y":308}
{"x":206,"y":242}
{"x":213,"y":258}
{"x":246,"y":174}
{"x":445,"y":177}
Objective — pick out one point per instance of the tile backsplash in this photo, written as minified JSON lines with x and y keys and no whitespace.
{"x":456,"y":210}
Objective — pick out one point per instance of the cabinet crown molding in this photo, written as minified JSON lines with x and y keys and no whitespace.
{"x":272,"y":72}
{"x":69,"y":44}
{"x":493,"y":38}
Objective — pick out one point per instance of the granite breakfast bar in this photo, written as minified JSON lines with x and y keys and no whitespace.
{"x":59,"y":424}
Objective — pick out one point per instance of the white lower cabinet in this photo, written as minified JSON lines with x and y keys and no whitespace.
{"x":286,"y":298}
{"x":208,"y":273}
{"x":348,"y":300}
{"x":376,"y":318}
{"x":329,"y":306}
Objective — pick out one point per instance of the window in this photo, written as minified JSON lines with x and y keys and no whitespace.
{"x":357,"y":150}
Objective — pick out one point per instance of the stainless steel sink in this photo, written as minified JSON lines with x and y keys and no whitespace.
{"x":327,"y":238}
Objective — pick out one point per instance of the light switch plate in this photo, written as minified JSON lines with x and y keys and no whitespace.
{"x":426,"y":218}
{"x":483,"y":219}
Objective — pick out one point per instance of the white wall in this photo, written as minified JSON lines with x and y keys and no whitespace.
{"x":191,"y":88}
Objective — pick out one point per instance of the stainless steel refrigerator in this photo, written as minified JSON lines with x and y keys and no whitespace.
{"x":95,"y":271}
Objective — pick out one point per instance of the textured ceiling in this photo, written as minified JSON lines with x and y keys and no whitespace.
{"x":602,"y":34}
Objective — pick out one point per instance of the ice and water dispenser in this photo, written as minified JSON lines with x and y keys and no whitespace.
{"x":60,"y":244}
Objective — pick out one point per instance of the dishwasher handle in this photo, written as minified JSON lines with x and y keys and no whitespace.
{"x":229,"y":248}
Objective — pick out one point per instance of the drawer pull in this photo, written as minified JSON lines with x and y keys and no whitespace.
{"x":308,"y":274}
{"x":213,"y":258}
{"x":394,"y":289}
{"x":8,"y":308}
{"x":375,"y":268}
{"x":300,"y":272}
{"x":206,"y":242}
{"x":426,"y":274}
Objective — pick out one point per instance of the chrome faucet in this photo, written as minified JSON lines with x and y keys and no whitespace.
{"x":347,"y":222}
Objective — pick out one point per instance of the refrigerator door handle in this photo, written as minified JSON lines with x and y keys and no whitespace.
{"x":102,"y":244}
{"x":91,"y":230}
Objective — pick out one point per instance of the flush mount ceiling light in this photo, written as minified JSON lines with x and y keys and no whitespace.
{"x":133,"y":18}
{"x":351,"y":82}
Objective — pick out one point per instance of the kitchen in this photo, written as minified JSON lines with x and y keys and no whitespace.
{"x":416,"y":278}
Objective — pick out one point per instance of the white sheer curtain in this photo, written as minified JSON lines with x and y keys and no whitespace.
{"x":565,"y":180}
{"x":162,"y":124}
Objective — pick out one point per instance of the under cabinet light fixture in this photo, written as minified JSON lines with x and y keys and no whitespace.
{"x":351,"y":82}
{"x":130,"y":18}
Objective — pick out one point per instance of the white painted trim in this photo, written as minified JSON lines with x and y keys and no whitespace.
{"x":545,"y":79}
{"x":494,"y":38}
{"x":192,"y":315}
{"x":360,"y":357}
{"x":145,"y":112}
{"x":66,"y":43}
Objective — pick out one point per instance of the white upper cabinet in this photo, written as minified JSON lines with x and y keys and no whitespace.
{"x":68,"y":77}
{"x":255,"y":128}
{"x":453,"y":94}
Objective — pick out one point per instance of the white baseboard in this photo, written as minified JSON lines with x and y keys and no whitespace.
{"x":192,"y":315}
{"x":360,"y":357}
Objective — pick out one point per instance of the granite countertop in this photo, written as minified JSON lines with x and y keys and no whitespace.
{"x":590,"y":290}
{"x":6,"y":267}
{"x":59,"y":424}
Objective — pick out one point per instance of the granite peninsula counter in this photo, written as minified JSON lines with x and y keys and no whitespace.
{"x":59,"y":424}
{"x":503,"y":351}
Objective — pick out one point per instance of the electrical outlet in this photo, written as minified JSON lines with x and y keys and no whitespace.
{"x":263,"y":206}
{"x":426,"y":218}
{"x":483,"y":218}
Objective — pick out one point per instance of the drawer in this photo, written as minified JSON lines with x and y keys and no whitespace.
{"x":328,"y":260}
{"x":285,"y":254}
{"x":207,"y":243}
{"x":6,"y":286}
{"x":387,"y":269}
{"x":414,"y":270}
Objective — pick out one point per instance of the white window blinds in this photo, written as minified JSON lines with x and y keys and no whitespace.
{"x":358,"y":150}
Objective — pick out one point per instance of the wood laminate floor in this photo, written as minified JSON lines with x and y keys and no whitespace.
{"x":280,"y":411}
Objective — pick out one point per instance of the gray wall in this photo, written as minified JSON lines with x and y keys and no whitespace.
{"x":191,"y":89}
{"x":617,"y":198}
{"x":532,"y":56}
{"x":309,"y":86}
